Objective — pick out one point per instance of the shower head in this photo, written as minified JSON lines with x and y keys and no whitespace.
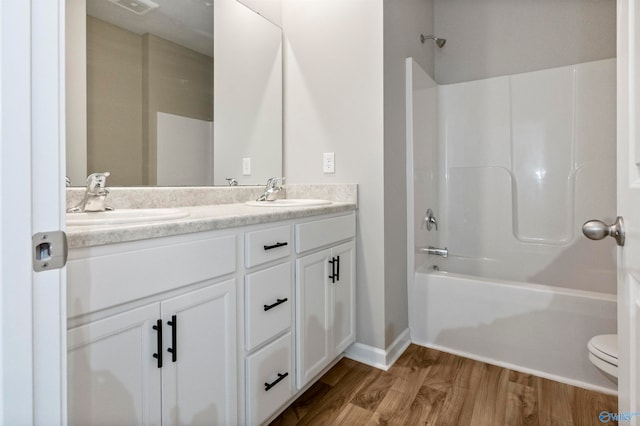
{"x":438,"y":41}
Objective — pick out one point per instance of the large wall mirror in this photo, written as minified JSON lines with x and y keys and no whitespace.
{"x":174,"y":92}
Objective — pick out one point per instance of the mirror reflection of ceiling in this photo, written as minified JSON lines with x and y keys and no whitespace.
{"x":188,"y":23}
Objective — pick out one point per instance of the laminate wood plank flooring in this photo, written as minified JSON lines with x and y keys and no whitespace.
{"x":428,"y":387}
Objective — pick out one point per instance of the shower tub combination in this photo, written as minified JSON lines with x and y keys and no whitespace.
{"x":534,"y":328}
{"x":517,"y":165}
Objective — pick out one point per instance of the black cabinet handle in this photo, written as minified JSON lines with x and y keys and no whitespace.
{"x":338,"y":268}
{"x":276,"y":245}
{"x":333,"y":270}
{"x":173,"y":350}
{"x":278,"y":302}
{"x":268,"y":386}
{"x":158,"y":355}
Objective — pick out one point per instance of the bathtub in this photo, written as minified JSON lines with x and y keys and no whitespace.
{"x":533,"y":328}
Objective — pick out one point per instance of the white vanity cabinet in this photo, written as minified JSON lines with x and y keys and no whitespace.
{"x":325,"y":293}
{"x":152,"y":353}
{"x":220,"y":327}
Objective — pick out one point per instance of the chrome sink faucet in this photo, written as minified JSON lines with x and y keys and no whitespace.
{"x":95,"y":194}
{"x":271,"y":188}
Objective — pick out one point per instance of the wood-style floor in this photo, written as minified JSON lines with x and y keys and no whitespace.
{"x":428,"y":387}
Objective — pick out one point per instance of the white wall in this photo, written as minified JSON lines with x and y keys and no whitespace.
{"x":530,"y":158}
{"x":488,"y":38}
{"x":345,"y":93}
{"x":334,"y":103}
{"x":404,"y":21}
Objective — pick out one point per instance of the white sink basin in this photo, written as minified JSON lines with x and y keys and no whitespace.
{"x":289,"y":202}
{"x":123,"y":216}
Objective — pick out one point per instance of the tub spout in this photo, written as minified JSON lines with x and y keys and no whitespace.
{"x":435,"y":250}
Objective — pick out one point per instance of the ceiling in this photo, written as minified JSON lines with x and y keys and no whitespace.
{"x":185,"y":22}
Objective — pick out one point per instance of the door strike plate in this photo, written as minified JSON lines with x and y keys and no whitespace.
{"x":49,"y":250}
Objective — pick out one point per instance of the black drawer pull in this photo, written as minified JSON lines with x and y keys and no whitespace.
{"x":268,"y":386}
{"x":338,"y":268}
{"x":278,"y":302}
{"x":332,"y":262}
{"x":276,"y":245}
{"x":158,"y":355}
{"x":173,"y":350}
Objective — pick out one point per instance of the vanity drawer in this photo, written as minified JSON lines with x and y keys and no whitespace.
{"x":107,"y":276}
{"x":269,"y":303}
{"x":266,"y":245}
{"x":269,"y":379}
{"x":318,"y":233}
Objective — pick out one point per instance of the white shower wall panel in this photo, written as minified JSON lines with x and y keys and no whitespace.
{"x":479,"y":220}
{"x":476,"y":116}
{"x":529,"y":158}
{"x":542,"y":154}
{"x":595,"y":130}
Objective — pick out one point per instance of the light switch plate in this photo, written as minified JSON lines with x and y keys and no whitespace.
{"x":246,"y":166}
{"x":328,"y":162}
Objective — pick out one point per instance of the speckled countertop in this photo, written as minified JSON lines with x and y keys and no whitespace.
{"x":209,"y":217}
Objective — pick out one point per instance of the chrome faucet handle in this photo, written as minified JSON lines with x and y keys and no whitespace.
{"x":95,"y":195}
{"x":273,"y":182}
{"x":232,"y":181}
{"x":271,"y":188}
{"x":430,"y":220}
{"x":97,"y":181}
{"x":276,"y":180}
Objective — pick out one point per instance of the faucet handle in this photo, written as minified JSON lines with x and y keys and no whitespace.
{"x":97,"y":180}
{"x":273,"y":182}
{"x":430,"y":220}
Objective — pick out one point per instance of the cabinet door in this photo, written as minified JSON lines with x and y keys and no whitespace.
{"x":344,"y":296}
{"x":313,"y":315}
{"x":112,"y":375}
{"x":199,"y":387}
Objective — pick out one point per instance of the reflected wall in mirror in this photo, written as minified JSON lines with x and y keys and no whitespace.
{"x":248,"y":104}
{"x":140,"y":93}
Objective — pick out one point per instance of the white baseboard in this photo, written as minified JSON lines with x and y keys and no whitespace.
{"x":379,"y":358}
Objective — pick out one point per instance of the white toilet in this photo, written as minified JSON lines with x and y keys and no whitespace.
{"x":603,"y":353}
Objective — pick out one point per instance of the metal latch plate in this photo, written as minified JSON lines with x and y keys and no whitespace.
{"x":49,"y":250}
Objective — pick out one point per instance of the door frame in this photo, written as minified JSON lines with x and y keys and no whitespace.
{"x":628,"y":108}
{"x":32,"y":199}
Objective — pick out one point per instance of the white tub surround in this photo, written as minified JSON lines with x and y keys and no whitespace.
{"x":519,"y":164}
{"x":527,"y":159}
{"x":536,"y":329}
